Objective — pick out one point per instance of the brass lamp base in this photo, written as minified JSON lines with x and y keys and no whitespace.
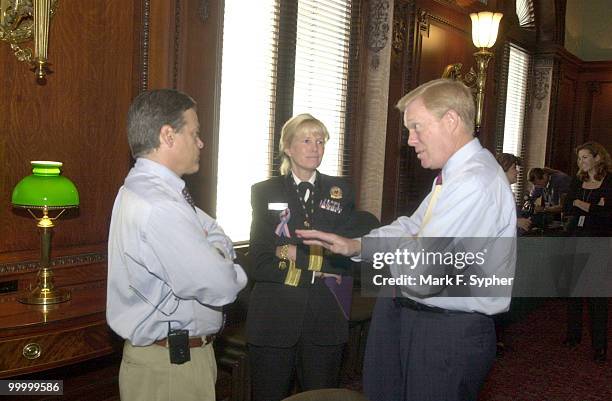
{"x":43,"y":296}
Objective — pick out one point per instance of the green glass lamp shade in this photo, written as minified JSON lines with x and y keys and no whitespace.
{"x":45,"y":187}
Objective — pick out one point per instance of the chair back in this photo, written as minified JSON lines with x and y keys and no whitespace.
{"x":328,"y":394}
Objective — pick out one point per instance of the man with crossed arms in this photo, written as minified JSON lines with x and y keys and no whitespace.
{"x":170,"y":265}
{"x":435,"y":348}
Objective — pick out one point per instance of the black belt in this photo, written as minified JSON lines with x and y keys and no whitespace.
{"x":414,"y":305}
{"x":194,"y":342}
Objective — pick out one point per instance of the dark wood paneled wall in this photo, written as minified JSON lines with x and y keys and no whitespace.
{"x":580,"y":107}
{"x":103,"y":54}
{"x":427,"y":36}
{"x":596,"y":90}
{"x":78,"y":118}
{"x":185,"y":54}
{"x":563,"y":111}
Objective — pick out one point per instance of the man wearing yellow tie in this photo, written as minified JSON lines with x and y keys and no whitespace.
{"x":424,"y":346}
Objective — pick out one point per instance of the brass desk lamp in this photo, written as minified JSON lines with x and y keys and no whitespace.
{"x":45,"y":191}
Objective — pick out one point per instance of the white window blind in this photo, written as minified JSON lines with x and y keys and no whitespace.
{"x":321,"y":71}
{"x":250,"y":81}
{"x":516,"y":103}
{"x":525,"y":13}
{"x":246,"y":113}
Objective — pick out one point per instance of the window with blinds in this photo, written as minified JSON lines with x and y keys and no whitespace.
{"x":516,"y":103}
{"x":279,"y":58}
{"x":321,"y":71}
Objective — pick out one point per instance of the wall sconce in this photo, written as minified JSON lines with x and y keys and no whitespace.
{"x":485,"y":26}
{"x":20,"y":20}
{"x":46,"y":191}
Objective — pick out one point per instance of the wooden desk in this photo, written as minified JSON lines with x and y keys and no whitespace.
{"x":33,"y":339}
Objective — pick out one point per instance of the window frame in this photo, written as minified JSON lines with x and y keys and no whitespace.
{"x":282,"y":104}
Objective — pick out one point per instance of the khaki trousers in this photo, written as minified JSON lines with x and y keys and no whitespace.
{"x":146,"y":374}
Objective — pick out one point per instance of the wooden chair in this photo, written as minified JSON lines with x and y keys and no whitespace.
{"x":328,"y":394}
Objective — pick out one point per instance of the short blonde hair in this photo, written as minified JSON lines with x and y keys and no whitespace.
{"x":291,"y":128}
{"x":442,"y":95}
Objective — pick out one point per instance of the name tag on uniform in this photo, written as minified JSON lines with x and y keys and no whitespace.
{"x":277,"y":206}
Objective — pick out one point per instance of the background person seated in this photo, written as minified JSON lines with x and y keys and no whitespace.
{"x":551,"y":186}
{"x":511,"y":166}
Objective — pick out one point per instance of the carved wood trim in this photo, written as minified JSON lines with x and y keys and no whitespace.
{"x":409,"y":81}
{"x":378,"y":29}
{"x":90,"y":285}
{"x":593,"y":89}
{"x":34,"y":265}
{"x":542,"y":85}
{"x":404,"y":52}
{"x":426,"y":18}
{"x":423,"y":23}
{"x":203,"y":10}
{"x":144,"y":45}
{"x":402,"y":43}
{"x":177,"y":42}
{"x":552,"y":112}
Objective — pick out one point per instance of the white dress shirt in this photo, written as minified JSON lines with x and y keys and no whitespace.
{"x":165,"y":261}
{"x":475,"y":200}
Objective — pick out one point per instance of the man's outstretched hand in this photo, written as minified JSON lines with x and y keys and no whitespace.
{"x":335,"y":243}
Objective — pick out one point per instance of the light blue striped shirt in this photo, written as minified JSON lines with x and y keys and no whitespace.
{"x":164,"y":260}
{"x":475,"y":200}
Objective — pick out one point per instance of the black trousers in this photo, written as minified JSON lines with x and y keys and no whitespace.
{"x":273,"y":369}
{"x":426,"y":356}
{"x":598,"y":311}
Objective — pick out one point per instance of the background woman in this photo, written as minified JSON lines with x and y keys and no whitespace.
{"x":295,"y":324}
{"x":589,"y":201}
{"x":510,"y":164}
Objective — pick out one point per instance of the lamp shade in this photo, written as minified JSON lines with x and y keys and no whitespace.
{"x":485,"y":25}
{"x":45,"y":188}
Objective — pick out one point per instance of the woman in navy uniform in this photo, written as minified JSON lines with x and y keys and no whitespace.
{"x":296,"y":324}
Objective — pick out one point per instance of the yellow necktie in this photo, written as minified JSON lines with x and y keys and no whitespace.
{"x":432,"y":202}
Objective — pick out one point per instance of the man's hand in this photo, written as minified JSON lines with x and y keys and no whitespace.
{"x":334,"y":243}
{"x":523,"y":224}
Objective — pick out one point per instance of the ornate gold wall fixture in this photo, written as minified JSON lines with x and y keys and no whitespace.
{"x":22,"y":21}
{"x":484,"y":34}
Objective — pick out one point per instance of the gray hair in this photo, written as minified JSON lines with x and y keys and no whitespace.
{"x":149,"y":112}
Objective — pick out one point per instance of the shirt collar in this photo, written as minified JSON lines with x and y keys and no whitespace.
{"x":167,"y":175}
{"x":311,"y":180}
{"x":460,"y":157}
